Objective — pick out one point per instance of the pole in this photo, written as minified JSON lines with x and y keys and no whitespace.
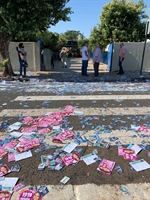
{"x":147,"y":27}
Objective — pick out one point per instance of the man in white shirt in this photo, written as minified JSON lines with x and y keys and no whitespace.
{"x":85,"y":58}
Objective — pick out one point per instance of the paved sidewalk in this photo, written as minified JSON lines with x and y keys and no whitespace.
{"x":94,"y":192}
{"x":73,"y":73}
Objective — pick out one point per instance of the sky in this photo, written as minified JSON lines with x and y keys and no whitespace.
{"x":86,"y":15}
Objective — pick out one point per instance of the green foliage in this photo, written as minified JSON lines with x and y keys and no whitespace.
{"x":56,"y":41}
{"x":62,"y":41}
{"x":120,"y":21}
{"x":48,"y":38}
{"x":96,"y":37}
{"x":71,"y":34}
{"x":22,"y":18}
{"x":4,"y":62}
{"x":82,"y":42}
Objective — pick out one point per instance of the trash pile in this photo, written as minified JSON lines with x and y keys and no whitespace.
{"x":30,"y":134}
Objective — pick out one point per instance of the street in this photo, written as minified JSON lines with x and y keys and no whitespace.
{"x":115,"y":105}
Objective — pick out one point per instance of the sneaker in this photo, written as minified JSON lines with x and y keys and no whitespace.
{"x":65,"y":66}
{"x":62,"y":66}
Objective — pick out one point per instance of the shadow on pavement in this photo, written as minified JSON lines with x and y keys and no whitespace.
{"x":73,"y":74}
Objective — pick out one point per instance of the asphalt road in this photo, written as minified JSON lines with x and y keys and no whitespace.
{"x":114,"y":115}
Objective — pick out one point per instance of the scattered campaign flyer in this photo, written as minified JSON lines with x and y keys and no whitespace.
{"x":69,"y":147}
{"x":130,"y":157}
{"x":30,"y":195}
{"x":23,"y":155}
{"x":27,"y":120}
{"x":136,"y":148}
{"x":43,"y":191}
{"x":14,"y":127}
{"x":4,"y":169}
{"x":89,"y":158}
{"x":15,"y":168}
{"x":106,"y":166}
{"x":45,"y":130}
{"x":19,"y":186}
{"x":64,"y":135}
{"x":102,"y":144}
{"x":16,"y":134}
{"x":139,"y":165}
{"x":65,"y":180}
{"x":69,"y":159}
{"x":76,"y":112}
{"x":11,"y":145}
{"x":9,"y":183}
{"x":3,"y":152}
{"x":122,"y":151}
{"x":5,"y":195}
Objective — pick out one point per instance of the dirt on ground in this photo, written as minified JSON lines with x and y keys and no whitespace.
{"x":80,"y":173}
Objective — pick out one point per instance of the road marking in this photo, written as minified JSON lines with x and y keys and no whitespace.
{"x":125,"y":137}
{"x":82,"y":97}
{"x":94,"y":192}
{"x":86,"y":111}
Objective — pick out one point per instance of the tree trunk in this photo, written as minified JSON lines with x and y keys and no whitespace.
{"x":4,"y":51}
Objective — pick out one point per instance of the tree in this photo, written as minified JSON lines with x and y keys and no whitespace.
{"x":96,"y":36}
{"x":49,"y":39}
{"x":62,"y":41}
{"x":121,"y":20}
{"x":82,"y":42}
{"x":19,"y":18}
{"x":71,"y":34}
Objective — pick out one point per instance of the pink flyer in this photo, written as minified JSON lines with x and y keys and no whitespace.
{"x":130,"y":157}
{"x":3,"y":152}
{"x":5,"y":195}
{"x":4,"y":169}
{"x":63,"y":136}
{"x":30,"y":195}
{"x":122,"y":151}
{"x":106,"y":166}
{"x":68,"y":160}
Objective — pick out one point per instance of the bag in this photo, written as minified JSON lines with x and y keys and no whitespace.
{"x":24,"y":64}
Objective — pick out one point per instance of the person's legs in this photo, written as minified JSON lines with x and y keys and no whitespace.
{"x":65,"y":62}
{"x":86,"y":66}
{"x":83,"y":68}
{"x":20,"y":67}
{"x":25,"y":71}
{"x":96,"y":68}
{"x":120,"y":66}
{"x":62,"y":60}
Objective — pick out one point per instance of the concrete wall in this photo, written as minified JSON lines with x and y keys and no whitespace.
{"x":133,"y":56}
{"x":33,"y":55}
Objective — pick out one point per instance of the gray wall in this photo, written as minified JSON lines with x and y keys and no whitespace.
{"x":33,"y":55}
{"x":133,"y":56}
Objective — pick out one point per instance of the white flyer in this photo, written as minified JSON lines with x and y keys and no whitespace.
{"x":140,"y":165}
{"x":69,"y":147}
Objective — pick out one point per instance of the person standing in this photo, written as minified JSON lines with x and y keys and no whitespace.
{"x":96,"y":59}
{"x":85,"y":59}
{"x":63,"y":56}
{"x":121,"y":58}
{"x":22,"y":58}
